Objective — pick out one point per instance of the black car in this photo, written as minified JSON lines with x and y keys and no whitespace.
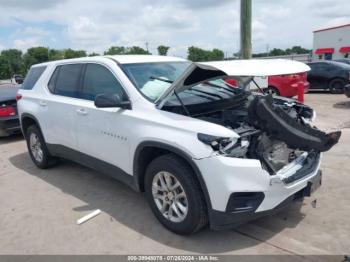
{"x":18,"y":79}
{"x":329,"y":75}
{"x":347,"y":90}
{"x":343,"y":60}
{"x":9,"y":121}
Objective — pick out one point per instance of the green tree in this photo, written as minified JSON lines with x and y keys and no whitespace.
{"x":136,"y":50}
{"x":121,"y":50}
{"x":11,"y":62}
{"x":216,"y":55}
{"x":116,"y":50}
{"x":35,"y":55}
{"x":297,"y":50}
{"x":163,"y":50}
{"x":277,"y":52}
{"x":197,"y":54}
{"x":94,"y":54}
{"x":70,"y":53}
{"x":55,"y":54}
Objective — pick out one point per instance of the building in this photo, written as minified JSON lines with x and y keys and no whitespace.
{"x":332,"y":43}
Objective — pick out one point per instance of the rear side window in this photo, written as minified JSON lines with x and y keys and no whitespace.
{"x":65,"y":81}
{"x":99,"y":80}
{"x":32,"y":77}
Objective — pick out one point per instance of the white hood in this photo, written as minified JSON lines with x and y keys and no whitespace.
{"x":259,"y":67}
{"x":204,"y":71}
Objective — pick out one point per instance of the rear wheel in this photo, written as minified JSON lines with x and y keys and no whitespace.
{"x":273,"y":91}
{"x":174,"y":195}
{"x":37,"y":148}
{"x":336,"y":86}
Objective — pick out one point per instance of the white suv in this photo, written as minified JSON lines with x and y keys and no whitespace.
{"x":201,"y":150}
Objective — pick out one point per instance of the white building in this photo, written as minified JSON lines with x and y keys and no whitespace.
{"x":332,"y":43}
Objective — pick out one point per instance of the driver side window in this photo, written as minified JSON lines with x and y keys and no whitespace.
{"x":99,"y":80}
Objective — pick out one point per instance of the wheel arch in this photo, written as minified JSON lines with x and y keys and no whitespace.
{"x":149,"y":150}
{"x":330,"y":81}
{"x":27,"y":120}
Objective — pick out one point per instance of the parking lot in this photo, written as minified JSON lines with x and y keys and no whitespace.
{"x":39,"y":208}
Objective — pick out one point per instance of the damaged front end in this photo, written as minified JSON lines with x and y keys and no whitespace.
{"x":276,"y":131}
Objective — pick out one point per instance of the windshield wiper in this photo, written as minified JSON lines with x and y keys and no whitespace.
{"x":161,"y":79}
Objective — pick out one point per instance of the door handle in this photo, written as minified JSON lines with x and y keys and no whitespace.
{"x":42,"y":103}
{"x":82,"y":112}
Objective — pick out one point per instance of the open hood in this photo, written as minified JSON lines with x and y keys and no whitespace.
{"x":200,"y":72}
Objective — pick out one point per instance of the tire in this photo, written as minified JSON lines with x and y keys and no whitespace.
{"x":336,"y":86}
{"x":273,"y":91}
{"x":38,"y":151}
{"x":177,"y":169}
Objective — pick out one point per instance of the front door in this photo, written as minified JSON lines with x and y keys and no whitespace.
{"x":103,"y":133}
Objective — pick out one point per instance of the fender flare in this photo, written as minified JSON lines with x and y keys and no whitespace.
{"x":176,"y":151}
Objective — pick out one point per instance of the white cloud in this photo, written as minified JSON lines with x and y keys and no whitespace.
{"x":95,"y":25}
{"x":24,"y":44}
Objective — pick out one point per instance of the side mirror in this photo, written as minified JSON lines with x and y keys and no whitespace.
{"x":111,"y":100}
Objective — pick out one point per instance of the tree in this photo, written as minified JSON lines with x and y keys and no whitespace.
{"x":35,"y":55}
{"x":121,"y":50}
{"x":297,"y":50}
{"x":70,"y":53}
{"x":277,"y":52}
{"x":94,"y":54}
{"x":115,"y":50}
{"x":197,"y":54}
{"x":55,"y":54}
{"x":11,"y":62}
{"x":136,"y":50}
{"x":163,"y":50}
{"x":217,"y":54}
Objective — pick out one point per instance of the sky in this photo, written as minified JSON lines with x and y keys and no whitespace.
{"x":95,"y":25}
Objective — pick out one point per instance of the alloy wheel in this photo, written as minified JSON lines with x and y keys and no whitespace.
{"x":35,"y":147}
{"x":169,"y":196}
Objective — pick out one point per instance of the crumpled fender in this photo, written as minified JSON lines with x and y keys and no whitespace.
{"x":275,"y":121}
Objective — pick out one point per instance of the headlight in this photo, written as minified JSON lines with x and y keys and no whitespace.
{"x":232,"y":147}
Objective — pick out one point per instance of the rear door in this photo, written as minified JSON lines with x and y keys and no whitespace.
{"x":61,"y":105}
{"x":103,"y":132}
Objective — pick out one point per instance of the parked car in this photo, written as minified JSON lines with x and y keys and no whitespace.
{"x":343,"y":60}
{"x":281,"y":85}
{"x":329,"y":75}
{"x":17,"y":79}
{"x":9,"y":122}
{"x":347,"y":90}
{"x":287,"y":85}
{"x":201,"y":153}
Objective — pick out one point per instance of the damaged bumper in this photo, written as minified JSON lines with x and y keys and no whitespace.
{"x":241,"y":190}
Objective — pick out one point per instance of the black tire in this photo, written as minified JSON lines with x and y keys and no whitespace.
{"x":47,"y":160}
{"x":273,"y":91}
{"x":336,"y":86}
{"x":196,"y":216}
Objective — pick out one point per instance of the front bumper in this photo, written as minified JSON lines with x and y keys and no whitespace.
{"x":225,"y":220}
{"x":347,"y":90}
{"x":9,"y":126}
{"x":240,"y":190}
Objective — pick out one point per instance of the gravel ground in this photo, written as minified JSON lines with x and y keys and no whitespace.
{"x":39,"y":208}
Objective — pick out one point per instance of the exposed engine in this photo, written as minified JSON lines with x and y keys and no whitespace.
{"x":275,"y":130}
{"x":271,"y":137}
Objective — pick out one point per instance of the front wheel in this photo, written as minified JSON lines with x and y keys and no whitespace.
{"x":37,"y":148}
{"x":174,"y":195}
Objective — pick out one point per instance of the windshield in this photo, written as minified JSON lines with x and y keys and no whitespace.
{"x":152,"y":79}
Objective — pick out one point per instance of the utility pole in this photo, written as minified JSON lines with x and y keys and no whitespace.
{"x":147,"y":47}
{"x":246,"y":29}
